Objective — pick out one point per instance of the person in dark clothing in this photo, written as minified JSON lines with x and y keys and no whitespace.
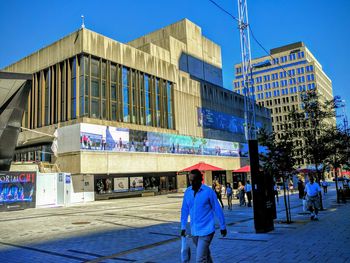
{"x":301,"y":188}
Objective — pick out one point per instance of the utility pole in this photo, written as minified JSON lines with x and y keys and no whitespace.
{"x":262,"y":201}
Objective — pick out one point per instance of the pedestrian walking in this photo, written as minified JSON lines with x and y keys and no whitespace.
{"x":200,"y":203}
{"x":248,"y":191}
{"x":301,"y":188}
{"x":324,"y":186}
{"x":241,"y":194}
{"x":312,"y":191}
{"x":229,"y":193}
{"x":275,"y":190}
{"x":218,"y":193}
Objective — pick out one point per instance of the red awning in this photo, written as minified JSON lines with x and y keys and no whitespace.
{"x":202,"y":166}
{"x":244,"y":169}
{"x":345,"y":173}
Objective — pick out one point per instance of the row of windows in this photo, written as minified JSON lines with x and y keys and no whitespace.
{"x":278,"y":101}
{"x":281,"y":75}
{"x":218,"y":95}
{"x":92,"y":87}
{"x":285,"y":91}
{"x":282,"y":59}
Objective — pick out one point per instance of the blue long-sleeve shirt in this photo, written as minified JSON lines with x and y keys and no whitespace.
{"x":201,"y":209}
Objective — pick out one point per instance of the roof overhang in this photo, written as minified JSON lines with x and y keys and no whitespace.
{"x":10,"y":83}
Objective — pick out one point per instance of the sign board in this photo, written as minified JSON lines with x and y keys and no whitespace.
{"x":121,"y":184}
{"x":17,"y":190}
{"x":136,"y":183}
{"x":68,"y":179}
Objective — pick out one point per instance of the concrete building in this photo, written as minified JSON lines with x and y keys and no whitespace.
{"x":129,"y":116}
{"x":279,"y":83}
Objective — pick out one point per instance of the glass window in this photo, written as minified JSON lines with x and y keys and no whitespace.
{"x":126,"y":104}
{"x":125,"y":74}
{"x":86,"y":66}
{"x":114,"y":111}
{"x":103,"y":69}
{"x":48,"y":96}
{"x":125,"y":90}
{"x":113,"y":73}
{"x":103,"y":89}
{"x":95,"y":68}
{"x":82,"y":85}
{"x":113,"y":91}
{"x":103,"y":113}
{"x":148,"y":100}
{"x":95,"y":108}
{"x":95,"y":88}
{"x":157,"y":102}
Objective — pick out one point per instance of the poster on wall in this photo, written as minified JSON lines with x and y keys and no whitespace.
{"x":121,"y":184}
{"x":107,"y":138}
{"x":17,"y":190}
{"x":208,"y":118}
{"x":98,"y":137}
{"x":136,"y":183}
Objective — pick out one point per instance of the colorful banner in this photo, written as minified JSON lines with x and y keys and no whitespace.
{"x":106,"y":138}
{"x":17,"y":190}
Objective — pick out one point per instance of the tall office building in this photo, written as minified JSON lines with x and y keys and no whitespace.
{"x":279,"y":82}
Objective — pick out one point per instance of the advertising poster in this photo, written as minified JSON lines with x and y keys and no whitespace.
{"x":98,"y":137}
{"x":17,"y":190}
{"x":220,"y":121}
{"x":107,"y":138}
{"x":121,"y":184}
{"x":136,"y":183}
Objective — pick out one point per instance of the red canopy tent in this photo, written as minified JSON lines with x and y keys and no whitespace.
{"x":244,"y":169}
{"x":202,"y":166}
{"x":345,"y":173}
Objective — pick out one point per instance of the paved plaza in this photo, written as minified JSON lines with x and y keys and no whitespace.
{"x":147,"y":230}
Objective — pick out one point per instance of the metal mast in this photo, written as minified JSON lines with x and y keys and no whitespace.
{"x":262,"y":185}
{"x":248,"y":90}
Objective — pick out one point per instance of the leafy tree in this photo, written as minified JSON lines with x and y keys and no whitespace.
{"x":337,"y":144}
{"x":311,"y":123}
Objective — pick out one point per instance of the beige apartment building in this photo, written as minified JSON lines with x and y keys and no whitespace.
{"x":279,"y":82}
{"x":129,"y":116}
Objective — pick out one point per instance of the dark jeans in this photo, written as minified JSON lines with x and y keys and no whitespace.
{"x":249,"y":197}
{"x":202,"y":244}
{"x":220,"y":200}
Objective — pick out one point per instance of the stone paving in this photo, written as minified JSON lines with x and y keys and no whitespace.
{"x":146,"y":230}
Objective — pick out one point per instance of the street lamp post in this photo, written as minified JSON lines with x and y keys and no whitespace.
{"x":262,"y":190}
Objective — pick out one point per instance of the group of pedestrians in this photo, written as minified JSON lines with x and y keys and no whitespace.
{"x":242,"y":191}
{"x":201,"y":203}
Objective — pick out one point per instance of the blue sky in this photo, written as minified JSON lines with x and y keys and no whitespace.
{"x":324,"y":26}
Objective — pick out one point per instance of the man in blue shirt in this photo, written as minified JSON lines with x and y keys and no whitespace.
{"x":201,"y":204}
{"x":248,"y":191}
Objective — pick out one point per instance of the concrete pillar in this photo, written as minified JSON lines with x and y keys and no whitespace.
{"x":181,"y":182}
{"x":208,"y":178}
{"x":229,"y":178}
